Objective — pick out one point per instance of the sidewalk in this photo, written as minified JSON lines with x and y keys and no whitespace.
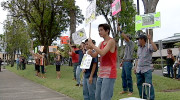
{"x":14,"y":87}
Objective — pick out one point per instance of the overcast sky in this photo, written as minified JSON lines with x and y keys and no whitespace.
{"x":170,"y":19}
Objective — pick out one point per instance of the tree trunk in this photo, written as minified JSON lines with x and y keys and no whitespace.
{"x":72,"y":15}
{"x":12,"y":59}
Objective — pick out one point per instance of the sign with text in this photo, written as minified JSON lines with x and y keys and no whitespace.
{"x":52,"y":49}
{"x":86,"y":62}
{"x":116,"y":7}
{"x":91,"y":12}
{"x":64,"y":39}
{"x":79,"y":36}
{"x":148,"y":21}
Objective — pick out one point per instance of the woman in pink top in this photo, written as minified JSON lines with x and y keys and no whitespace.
{"x":107,"y":70}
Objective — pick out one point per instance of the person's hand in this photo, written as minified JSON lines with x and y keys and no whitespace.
{"x":121,"y":64}
{"x":89,"y":52}
{"x":90,"y":80}
{"x":149,"y":37}
{"x":118,"y":28}
{"x":83,"y":70}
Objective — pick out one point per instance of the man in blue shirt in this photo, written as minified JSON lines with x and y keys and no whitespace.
{"x":81,"y":53}
{"x":90,"y":77}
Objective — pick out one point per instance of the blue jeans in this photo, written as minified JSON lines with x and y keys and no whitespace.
{"x":178,"y":72}
{"x":74,"y":68}
{"x":145,"y":78}
{"x":89,"y":89}
{"x":104,"y":88}
{"x":170,"y":69}
{"x":127,"y":82}
{"x":78,"y":73}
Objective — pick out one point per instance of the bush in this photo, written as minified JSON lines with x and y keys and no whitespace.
{"x":158,"y":66}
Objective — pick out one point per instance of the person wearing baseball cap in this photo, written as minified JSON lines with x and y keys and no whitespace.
{"x":127,"y":64}
{"x":143,"y":69}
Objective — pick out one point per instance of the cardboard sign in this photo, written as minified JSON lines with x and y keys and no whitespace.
{"x":148,"y":21}
{"x":116,"y":7}
{"x":52,"y":49}
{"x":64,"y":39}
{"x":91,"y":12}
{"x":79,"y":36}
{"x":86,"y":62}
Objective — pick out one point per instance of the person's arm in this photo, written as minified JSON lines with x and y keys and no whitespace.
{"x":152,"y":43}
{"x":110,"y":44}
{"x":123,"y":34}
{"x":173,"y":58}
{"x":92,"y":73}
{"x":72,"y":50}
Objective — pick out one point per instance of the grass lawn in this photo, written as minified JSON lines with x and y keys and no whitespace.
{"x":67,"y":86}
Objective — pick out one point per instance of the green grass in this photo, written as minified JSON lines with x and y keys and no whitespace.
{"x":67,"y":86}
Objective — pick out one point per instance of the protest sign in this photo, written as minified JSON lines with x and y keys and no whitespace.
{"x":86,"y":61}
{"x":79,"y":36}
{"x":52,"y":49}
{"x":91,"y":12}
{"x":64,"y":39}
{"x":148,"y":21}
{"x":116,"y":7}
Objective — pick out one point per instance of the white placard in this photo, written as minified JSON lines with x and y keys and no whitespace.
{"x":86,"y":62}
{"x":79,"y":36}
{"x":91,"y":12}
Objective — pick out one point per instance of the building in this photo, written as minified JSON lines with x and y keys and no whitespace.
{"x":167,"y":43}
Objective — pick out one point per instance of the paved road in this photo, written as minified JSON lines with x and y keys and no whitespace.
{"x":158,"y":72}
{"x":13,"y":87}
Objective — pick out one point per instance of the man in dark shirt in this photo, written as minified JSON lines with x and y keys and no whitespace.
{"x":80,"y":52}
{"x":90,"y":77}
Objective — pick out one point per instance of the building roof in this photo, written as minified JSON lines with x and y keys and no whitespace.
{"x":175,"y":52}
{"x":175,"y":38}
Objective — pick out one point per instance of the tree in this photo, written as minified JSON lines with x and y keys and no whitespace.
{"x":150,"y":7}
{"x":16,"y":37}
{"x":46,"y":19}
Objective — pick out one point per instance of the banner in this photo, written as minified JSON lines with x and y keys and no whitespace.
{"x":91,"y":12}
{"x":116,"y":7}
{"x":64,"y":39}
{"x":52,"y":49}
{"x":148,"y":21}
{"x":79,"y":36}
{"x":86,"y":62}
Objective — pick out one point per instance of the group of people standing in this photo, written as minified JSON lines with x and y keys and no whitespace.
{"x":100,"y":87}
{"x":21,"y":63}
{"x":39,"y":63}
{"x":172,"y":64}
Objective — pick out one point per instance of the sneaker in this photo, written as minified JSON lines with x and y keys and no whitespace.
{"x":130,"y":94}
{"x":123,"y":92}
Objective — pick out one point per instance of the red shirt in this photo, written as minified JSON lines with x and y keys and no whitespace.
{"x":75,"y":57}
{"x":108,"y":62}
